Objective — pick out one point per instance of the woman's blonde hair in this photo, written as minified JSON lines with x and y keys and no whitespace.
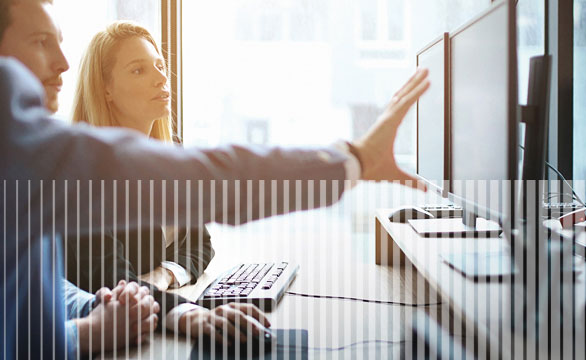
{"x":90,"y":104}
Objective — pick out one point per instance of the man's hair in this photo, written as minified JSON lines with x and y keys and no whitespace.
{"x":5,"y":18}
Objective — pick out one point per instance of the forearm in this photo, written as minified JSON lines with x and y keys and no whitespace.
{"x":119,"y":172}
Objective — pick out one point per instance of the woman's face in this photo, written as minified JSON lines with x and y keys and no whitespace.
{"x":138,"y":89}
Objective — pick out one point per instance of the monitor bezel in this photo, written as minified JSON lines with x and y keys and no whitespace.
{"x":443,"y":189}
{"x":512,"y":102}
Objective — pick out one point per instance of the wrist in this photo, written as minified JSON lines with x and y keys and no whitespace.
{"x":85,"y":334}
{"x":353,"y":149}
{"x":169,"y":277}
{"x":364,"y":154}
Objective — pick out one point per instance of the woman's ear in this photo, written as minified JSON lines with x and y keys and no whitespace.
{"x":108,"y":94}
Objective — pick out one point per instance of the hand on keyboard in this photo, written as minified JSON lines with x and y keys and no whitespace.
{"x":219,"y":322}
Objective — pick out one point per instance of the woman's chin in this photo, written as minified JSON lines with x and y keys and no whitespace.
{"x":162,"y":113}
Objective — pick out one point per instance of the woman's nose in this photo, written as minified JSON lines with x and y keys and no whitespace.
{"x":160,"y":78}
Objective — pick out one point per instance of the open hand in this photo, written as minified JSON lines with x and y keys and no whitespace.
{"x":375,"y":148}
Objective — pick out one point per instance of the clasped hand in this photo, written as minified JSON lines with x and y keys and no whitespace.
{"x":124,"y":315}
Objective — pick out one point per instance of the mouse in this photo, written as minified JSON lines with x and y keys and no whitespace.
{"x":266,"y":340}
{"x":404,"y":213}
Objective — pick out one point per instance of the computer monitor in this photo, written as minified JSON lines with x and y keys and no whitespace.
{"x":483,"y":113}
{"x":432,"y":116}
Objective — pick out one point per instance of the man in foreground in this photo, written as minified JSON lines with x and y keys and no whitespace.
{"x":49,"y":165}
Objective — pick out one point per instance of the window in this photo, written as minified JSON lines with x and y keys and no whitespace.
{"x":531,"y":39}
{"x":383,"y":28}
{"x":580,"y":91}
{"x":79,"y":30}
{"x":303,"y":72}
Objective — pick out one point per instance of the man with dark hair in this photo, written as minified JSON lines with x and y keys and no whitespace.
{"x":50,"y":170}
{"x":12,"y":37}
{"x":34,"y":39}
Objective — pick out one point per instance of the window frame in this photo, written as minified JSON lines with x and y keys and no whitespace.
{"x":559,"y":43}
{"x":383,"y":43}
{"x":171,"y":44}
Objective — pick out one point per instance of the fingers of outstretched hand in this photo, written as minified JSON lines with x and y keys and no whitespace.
{"x":406,"y":179}
{"x":411,"y":97}
{"x":414,"y":80}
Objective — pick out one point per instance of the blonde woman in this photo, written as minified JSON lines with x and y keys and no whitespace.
{"x":123,"y":82}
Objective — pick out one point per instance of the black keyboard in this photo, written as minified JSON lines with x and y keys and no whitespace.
{"x":260,"y":284}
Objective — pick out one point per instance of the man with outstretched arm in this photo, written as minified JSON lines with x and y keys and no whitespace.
{"x":51,"y":165}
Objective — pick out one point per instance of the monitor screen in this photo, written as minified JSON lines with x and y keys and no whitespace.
{"x":483,"y":102}
{"x":432,"y":116}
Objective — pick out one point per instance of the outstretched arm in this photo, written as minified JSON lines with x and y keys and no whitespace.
{"x":94,"y":177}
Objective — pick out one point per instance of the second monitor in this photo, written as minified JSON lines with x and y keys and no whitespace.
{"x":432,"y":116}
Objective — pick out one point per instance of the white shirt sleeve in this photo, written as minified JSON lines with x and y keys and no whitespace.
{"x":182,"y":277}
{"x":173,"y":316}
{"x":352,"y":165}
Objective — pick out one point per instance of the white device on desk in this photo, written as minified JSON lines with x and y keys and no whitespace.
{"x":455,"y":226}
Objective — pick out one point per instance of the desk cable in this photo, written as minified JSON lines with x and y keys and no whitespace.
{"x":361,"y":300}
{"x":341,"y":348}
{"x":574,"y":195}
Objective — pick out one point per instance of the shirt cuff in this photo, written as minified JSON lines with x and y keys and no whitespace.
{"x":182,"y":277}
{"x":174,"y":315}
{"x":72,"y":339}
{"x":351,"y":165}
{"x":78,"y":303}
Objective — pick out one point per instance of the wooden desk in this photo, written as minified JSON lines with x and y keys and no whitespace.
{"x":334,"y":248}
{"x":488,"y":309}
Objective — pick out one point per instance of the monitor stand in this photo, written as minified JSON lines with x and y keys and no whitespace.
{"x":455,"y":227}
